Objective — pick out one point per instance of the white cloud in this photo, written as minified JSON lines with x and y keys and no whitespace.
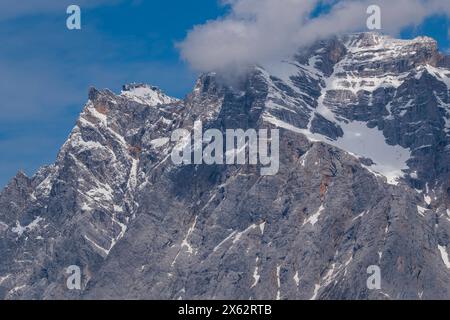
{"x":258,"y":31}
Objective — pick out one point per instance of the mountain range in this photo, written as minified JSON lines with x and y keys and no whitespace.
{"x":364,"y":180}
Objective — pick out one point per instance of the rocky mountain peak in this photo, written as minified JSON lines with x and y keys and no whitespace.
{"x":94,"y":94}
{"x":21,"y":175}
{"x":376,"y":47}
{"x":146,"y":94}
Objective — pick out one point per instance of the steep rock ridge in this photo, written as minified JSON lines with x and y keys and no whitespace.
{"x":78,"y":208}
{"x":358,"y":185}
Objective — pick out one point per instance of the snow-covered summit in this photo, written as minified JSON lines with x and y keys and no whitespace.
{"x":146,"y":94}
{"x":357,"y":92}
{"x":371,"y":39}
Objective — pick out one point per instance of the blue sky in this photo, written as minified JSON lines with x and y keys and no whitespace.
{"x":46,"y":70}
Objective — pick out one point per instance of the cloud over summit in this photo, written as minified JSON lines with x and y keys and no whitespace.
{"x":259,"y":31}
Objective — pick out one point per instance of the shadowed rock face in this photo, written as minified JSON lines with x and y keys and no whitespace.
{"x":364,"y":180}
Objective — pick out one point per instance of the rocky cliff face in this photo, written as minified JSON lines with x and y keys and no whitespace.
{"x":363,"y":180}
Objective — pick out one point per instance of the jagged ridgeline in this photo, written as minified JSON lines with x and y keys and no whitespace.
{"x":363,"y":180}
